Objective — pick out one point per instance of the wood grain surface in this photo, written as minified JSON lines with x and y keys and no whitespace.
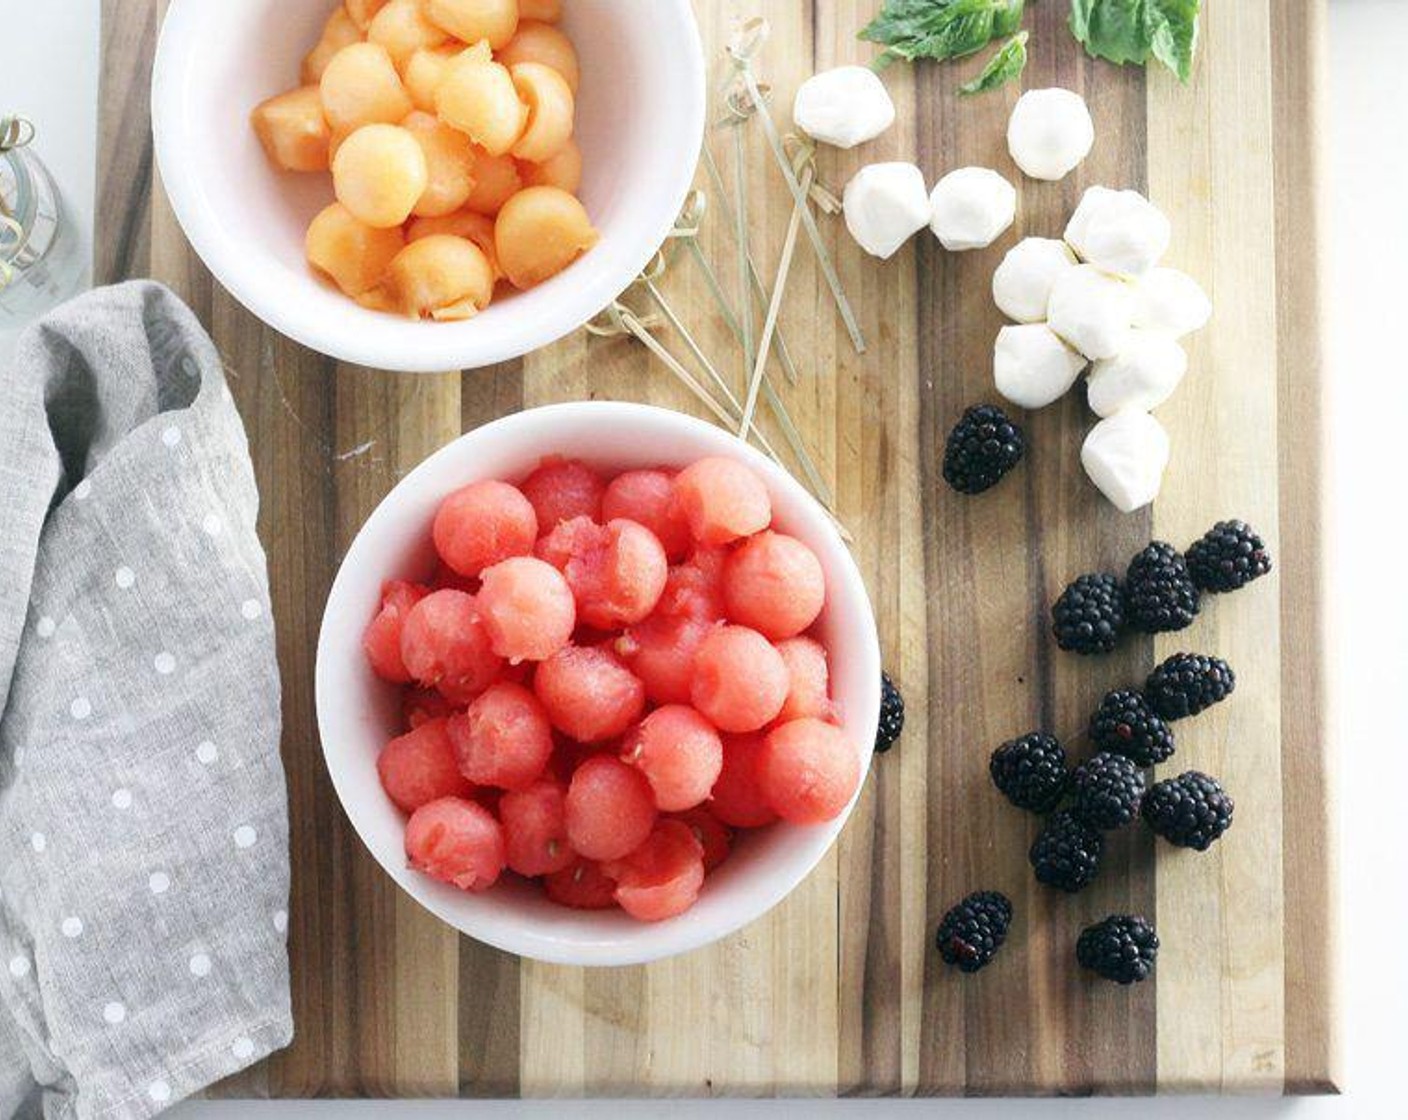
{"x":838,"y":990}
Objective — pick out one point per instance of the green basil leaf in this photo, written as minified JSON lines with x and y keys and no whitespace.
{"x":1007,"y":62}
{"x":939,"y":29}
{"x":1137,"y":30}
{"x":1173,"y":34}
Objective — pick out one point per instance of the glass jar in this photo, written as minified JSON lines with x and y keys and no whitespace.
{"x":41,"y":251}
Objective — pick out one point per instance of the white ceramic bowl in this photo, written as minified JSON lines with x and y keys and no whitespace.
{"x":357,"y":713}
{"x":640,"y":119}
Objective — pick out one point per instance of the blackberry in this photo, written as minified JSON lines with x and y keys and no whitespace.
{"x":1228,"y":556}
{"x":1121,"y":948}
{"x":983,"y":446}
{"x":1159,"y":594}
{"x":1066,"y":854}
{"x":1089,"y":615}
{"x":1126,"y":724}
{"x":1108,"y":789}
{"x":972,"y":931}
{"x":1191,"y":810}
{"x":1187,"y":683}
{"x":891,"y":715}
{"x":1030,"y":771}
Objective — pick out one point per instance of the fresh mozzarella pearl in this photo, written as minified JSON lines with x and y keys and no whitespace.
{"x":1119,"y":231}
{"x":1143,"y":375}
{"x":1032,"y":367}
{"x":1091,"y":310}
{"x":1050,"y":131}
{"x":1172,"y":301}
{"x":843,"y":107}
{"x":1125,"y":457}
{"x":971,"y":207}
{"x":885,"y":205}
{"x":1021,"y":286}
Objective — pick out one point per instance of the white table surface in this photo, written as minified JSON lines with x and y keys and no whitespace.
{"x":52,"y":77}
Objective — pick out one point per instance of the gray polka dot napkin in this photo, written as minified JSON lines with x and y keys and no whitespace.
{"x":143,"y":821}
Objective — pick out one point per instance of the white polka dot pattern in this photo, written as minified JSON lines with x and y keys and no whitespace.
{"x":212,"y":525}
{"x":72,"y":927}
{"x":122,"y":799}
{"x":245,"y":836}
{"x":171,"y":436}
{"x":19,"y":967}
{"x":45,"y":627}
{"x":206,"y":753}
{"x":114,"y":1013}
{"x":251,"y":609}
{"x":243,"y":1048}
{"x":81,"y":708}
{"x":159,"y":882}
{"x":38,"y":841}
{"x":164,"y":663}
{"x":83,"y":490}
{"x":159,"y":1091}
{"x":124,"y":577}
{"x":200,"y":965}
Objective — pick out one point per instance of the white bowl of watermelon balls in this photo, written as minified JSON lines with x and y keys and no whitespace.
{"x":598,"y":683}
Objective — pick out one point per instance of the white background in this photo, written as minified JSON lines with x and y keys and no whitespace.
{"x":48,"y":70}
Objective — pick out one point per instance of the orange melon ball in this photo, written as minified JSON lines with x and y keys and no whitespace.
{"x":496,"y":180}
{"x":478,"y":228}
{"x":548,"y":11}
{"x":293,"y":130}
{"x":541,"y":42}
{"x":473,"y":20}
{"x":339,"y":31}
{"x":440,"y":277}
{"x":360,"y":86}
{"x":551,"y":110}
{"x":539,"y":232}
{"x":478,"y":96}
{"x":449,"y":161}
{"x":401,"y":27}
{"x":354,"y":255}
{"x":364,"y":11}
{"x":564,"y":170}
{"x":379,"y":174}
{"x":422,"y":72}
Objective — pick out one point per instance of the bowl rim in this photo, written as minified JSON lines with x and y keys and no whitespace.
{"x":401,"y":350}
{"x":507,"y":935}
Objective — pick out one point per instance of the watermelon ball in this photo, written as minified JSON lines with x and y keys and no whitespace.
{"x":609,"y":808}
{"x":722,"y":500}
{"x":616,"y":571}
{"x":808,"y":771}
{"x":482,"y":524}
{"x":644,"y":497}
{"x":662,"y":877}
{"x":809,"y":687}
{"x":561,"y":489}
{"x":589,"y":695}
{"x":740,"y":680}
{"x":679,"y":753}
{"x":582,"y":886}
{"x":774,"y":584}
{"x":695,"y":589}
{"x":445,"y":645}
{"x":381,"y":641}
{"x":503,"y":738}
{"x":661,"y":651}
{"x":737,"y":798}
{"x":535,"y":829}
{"x":419,"y":767}
{"x":421,"y":705}
{"x":456,"y":841}
{"x":527,"y":608}
{"x":715,"y":837}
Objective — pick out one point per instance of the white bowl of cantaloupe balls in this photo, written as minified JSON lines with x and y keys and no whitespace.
{"x":598,"y":683}
{"x":427,"y":185}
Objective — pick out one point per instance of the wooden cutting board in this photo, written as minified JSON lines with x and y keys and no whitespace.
{"x":838,"y":990}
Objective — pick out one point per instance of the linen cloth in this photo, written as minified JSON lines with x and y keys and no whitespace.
{"x":143,"y":818}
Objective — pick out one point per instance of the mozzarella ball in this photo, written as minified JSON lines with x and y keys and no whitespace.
{"x":1119,"y":231}
{"x":971,"y":207}
{"x":844,"y":106}
{"x":1143,"y":375}
{"x":885,"y":205}
{"x":1171,"y":301}
{"x":379,"y":174}
{"x":1125,"y":456}
{"x":1021,"y":285}
{"x":1050,"y":132}
{"x":1091,"y":310}
{"x":1032,"y":367}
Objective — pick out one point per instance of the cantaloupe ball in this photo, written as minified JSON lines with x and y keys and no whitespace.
{"x":551,"y":111}
{"x":364,"y":11}
{"x":539,"y":232}
{"x":809,"y":690}
{"x":401,"y":27}
{"x":353,"y":254}
{"x":422,"y":72}
{"x":339,"y":31}
{"x":379,"y":174}
{"x":473,"y":20}
{"x":477,"y":96}
{"x":360,"y":86}
{"x":541,"y":42}
{"x":808,"y":771}
{"x":722,"y":500}
{"x":496,"y":180}
{"x":449,"y":162}
{"x":293,"y":130}
{"x":549,"y":11}
{"x":444,"y":278}
{"x":563,"y":170}
{"x":774,"y":583}
{"x":740,"y":680}
{"x":478,"y":228}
